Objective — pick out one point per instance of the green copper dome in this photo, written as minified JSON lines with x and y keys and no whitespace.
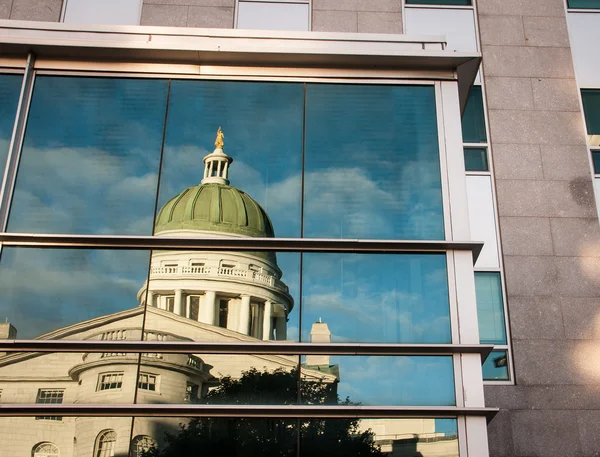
{"x":215,"y":207}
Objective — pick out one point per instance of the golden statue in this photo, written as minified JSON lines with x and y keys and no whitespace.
{"x":219,"y":141}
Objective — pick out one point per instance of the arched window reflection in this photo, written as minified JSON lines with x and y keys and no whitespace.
{"x":141,"y":444}
{"x":45,"y":450}
{"x":105,"y":444}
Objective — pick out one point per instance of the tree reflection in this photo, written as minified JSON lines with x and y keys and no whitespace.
{"x":246,"y":437}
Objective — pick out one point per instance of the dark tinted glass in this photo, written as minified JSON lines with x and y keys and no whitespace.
{"x":372,"y":163}
{"x":490,"y":308}
{"x":591,"y":109}
{"x":473,"y":119}
{"x":90,"y":156}
{"x":438,"y":2}
{"x":55,"y":293}
{"x":379,"y":437}
{"x":596,"y":159}
{"x":476,"y":159}
{"x":376,"y":298}
{"x":377,"y":380}
{"x":10,"y":87}
{"x":592,"y":4}
{"x":496,"y":367}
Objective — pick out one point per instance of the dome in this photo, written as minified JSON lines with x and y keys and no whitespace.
{"x":214,"y":207}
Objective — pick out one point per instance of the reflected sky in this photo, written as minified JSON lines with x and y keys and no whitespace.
{"x":90,"y":156}
{"x":10,"y":87}
{"x":377,"y":298}
{"x":45,"y":289}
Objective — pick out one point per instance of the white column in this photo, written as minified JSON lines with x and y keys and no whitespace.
{"x":178,"y":308}
{"x":207,"y":309}
{"x":244,"y":322}
{"x":281,"y":327}
{"x":267,"y":321}
{"x":150,"y":298}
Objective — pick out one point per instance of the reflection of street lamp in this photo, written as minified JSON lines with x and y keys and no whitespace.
{"x":500,"y":362}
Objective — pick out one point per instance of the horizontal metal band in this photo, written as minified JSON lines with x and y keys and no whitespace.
{"x":238,"y":244}
{"x":275,"y":348}
{"x":254,"y":411}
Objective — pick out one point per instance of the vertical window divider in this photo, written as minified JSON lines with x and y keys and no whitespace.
{"x":16,"y":141}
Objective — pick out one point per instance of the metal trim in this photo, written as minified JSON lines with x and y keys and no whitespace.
{"x":238,"y":244}
{"x":252,"y":411}
{"x":273,"y":348}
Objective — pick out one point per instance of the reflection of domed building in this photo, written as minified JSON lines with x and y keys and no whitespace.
{"x":190,"y":296}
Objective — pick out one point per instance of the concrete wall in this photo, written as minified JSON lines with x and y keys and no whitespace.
{"x":31,"y":10}
{"x":549,"y":232}
{"x":188,"y":13}
{"x":365,"y":16}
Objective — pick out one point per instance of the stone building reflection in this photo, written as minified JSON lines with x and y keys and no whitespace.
{"x":189,"y":296}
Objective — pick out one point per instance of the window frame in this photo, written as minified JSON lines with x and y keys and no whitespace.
{"x":155,"y":384}
{"x":236,"y":9}
{"x":119,"y":381}
{"x":60,"y":398}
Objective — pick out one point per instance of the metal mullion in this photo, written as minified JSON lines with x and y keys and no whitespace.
{"x":237,"y":244}
{"x":274,"y":348}
{"x":255,"y":411}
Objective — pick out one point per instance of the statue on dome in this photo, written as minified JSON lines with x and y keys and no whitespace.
{"x":219,"y":141}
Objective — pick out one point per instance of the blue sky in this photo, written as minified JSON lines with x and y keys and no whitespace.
{"x":10,"y":87}
{"x":90,"y":165}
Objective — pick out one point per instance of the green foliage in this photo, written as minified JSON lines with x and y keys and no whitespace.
{"x":251,"y":437}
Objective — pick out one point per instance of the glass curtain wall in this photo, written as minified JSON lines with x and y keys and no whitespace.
{"x":182,"y":158}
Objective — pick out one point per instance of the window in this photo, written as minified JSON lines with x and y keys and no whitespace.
{"x":473,"y":119}
{"x":583,"y":4}
{"x":223,"y":311}
{"x":476,"y":159}
{"x":438,"y":2}
{"x":191,"y":392}
{"x":273,"y":15}
{"x":105,"y":444}
{"x":141,"y":444}
{"x":169,"y":303}
{"x":109,"y":381}
{"x":50,"y":397}
{"x":147,"y":381}
{"x":591,"y":110}
{"x":194,"y":304}
{"x":10,"y":86}
{"x":45,"y":450}
{"x":114,"y":12}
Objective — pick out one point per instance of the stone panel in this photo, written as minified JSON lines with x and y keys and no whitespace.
{"x":369,"y":22}
{"x":566,"y":162}
{"x":36,"y":10}
{"x":164,"y":15}
{"x":521,"y":7}
{"x":578,"y":276}
{"x":527,"y":62}
{"x":335,"y":21}
{"x":526,"y":236}
{"x":500,"y":436}
{"x":536,"y":127}
{"x":5,"y":6}
{"x":529,"y":276}
{"x":217,"y":17}
{"x":536,"y":318}
{"x":546,"y":31}
{"x":509,"y":93}
{"x":502,"y":30}
{"x":546,"y":433}
{"x":505,"y":397}
{"x":546,"y":362}
{"x":576,"y":237}
{"x":555,"y":94}
{"x":335,"y":5}
{"x":561,"y":397}
{"x":588,"y":432}
{"x":581,"y":317}
{"x":380,"y":5}
{"x":224,"y":3}
{"x":517,"y":161}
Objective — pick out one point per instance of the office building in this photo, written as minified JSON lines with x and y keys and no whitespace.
{"x":412,"y":191}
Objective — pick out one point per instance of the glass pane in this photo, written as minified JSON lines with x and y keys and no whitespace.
{"x":473,"y":119}
{"x":353,"y":380}
{"x":490,"y":308}
{"x":596,"y":159}
{"x":90,"y":156}
{"x":375,"y":298}
{"x":591,"y":109}
{"x":74,"y":293}
{"x":114,"y":12}
{"x":496,"y":366}
{"x":438,"y":2}
{"x":592,"y":4}
{"x":223,"y":296}
{"x":476,"y":159}
{"x":273,"y":16}
{"x":380,"y":437}
{"x":10,"y":88}
{"x":372,"y":163}
{"x":263,"y":125}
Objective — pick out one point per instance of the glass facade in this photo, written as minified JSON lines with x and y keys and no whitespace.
{"x":132,"y":159}
{"x":583,"y":4}
{"x":476,"y":159}
{"x":10,"y":86}
{"x":473,"y":119}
